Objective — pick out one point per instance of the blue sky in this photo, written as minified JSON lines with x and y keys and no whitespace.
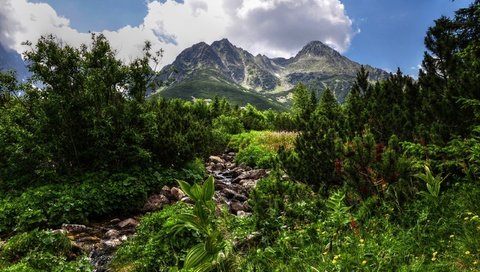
{"x":384,"y":34}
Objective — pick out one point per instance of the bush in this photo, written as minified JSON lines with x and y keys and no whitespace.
{"x":40,"y":251}
{"x":259,"y":148}
{"x":155,"y":247}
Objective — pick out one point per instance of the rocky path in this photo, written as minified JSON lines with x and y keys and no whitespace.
{"x":232,"y":186}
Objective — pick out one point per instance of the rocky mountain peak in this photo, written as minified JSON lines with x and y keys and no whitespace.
{"x":317,"y":48}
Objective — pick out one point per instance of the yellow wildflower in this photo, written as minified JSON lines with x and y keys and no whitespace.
{"x":362,"y":241}
{"x":451,"y":236}
{"x":364,"y":262}
{"x":467,"y":252}
{"x":334,"y":261}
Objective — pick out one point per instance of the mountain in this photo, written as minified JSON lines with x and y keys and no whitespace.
{"x":11,"y":60}
{"x":203,"y":71}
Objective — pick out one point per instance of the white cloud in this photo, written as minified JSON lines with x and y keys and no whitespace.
{"x":281,"y":27}
{"x":272,"y":27}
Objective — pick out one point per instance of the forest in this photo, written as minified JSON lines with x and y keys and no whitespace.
{"x":387,"y":181}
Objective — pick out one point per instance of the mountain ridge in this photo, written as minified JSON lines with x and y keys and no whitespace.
{"x":316,"y":65}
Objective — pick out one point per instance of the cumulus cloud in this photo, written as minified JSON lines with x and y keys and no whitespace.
{"x":272,"y":27}
{"x":283,"y":26}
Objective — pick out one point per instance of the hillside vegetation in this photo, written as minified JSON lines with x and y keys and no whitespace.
{"x":387,"y":181}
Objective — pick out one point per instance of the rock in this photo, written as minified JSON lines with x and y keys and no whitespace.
{"x":237,"y":171}
{"x":231,"y":194}
{"x":248,"y":184}
{"x":112,"y":233}
{"x":113,"y":243}
{"x":155,"y":203}
{"x":236,"y":206}
{"x":231,"y":154}
{"x":177,"y":194}
{"x":123,"y":238}
{"x":130,"y":222}
{"x":216,"y":159}
{"x":243,"y":214}
{"x":252,"y":174}
{"x":188,"y":200}
{"x":218,"y":167}
{"x":219,"y":185}
{"x":114,"y":221}
{"x":75,"y":228}
{"x":88,"y":239}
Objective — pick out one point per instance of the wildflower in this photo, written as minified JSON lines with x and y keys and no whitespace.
{"x":452,"y":236}
{"x":469,"y":213}
{"x":364,"y":262}
{"x":467,"y":252}
{"x":334,"y":261}
{"x":475,"y":262}
{"x":434,"y":256}
{"x":466,"y":218}
{"x":336,"y":257}
{"x":325,"y":253}
{"x":362,"y":241}
{"x":475,"y":217}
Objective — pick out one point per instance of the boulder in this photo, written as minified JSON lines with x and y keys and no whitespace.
{"x":155,"y":203}
{"x":75,"y":228}
{"x":216,"y":159}
{"x":236,"y":206}
{"x":112,"y":233}
{"x":248,"y":184}
{"x":128,"y":223}
{"x":177,"y":194}
{"x":252,"y":174}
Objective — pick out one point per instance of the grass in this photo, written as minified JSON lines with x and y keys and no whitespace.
{"x":259,"y":148}
{"x":206,"y":87}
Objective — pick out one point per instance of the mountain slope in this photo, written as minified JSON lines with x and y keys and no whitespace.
{"x":316,"y":65}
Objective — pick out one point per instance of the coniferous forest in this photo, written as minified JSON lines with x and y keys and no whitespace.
{"x":386,"y":181}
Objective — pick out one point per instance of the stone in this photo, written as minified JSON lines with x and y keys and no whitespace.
{"x":123,"y":238}
{"x":243,"y":214}
{"x":248,"y":184}
{"x":231,"y":194}
{"x":216,"y":159}
{"x":114,"y":221}
{"x":236,"y":206}
{"x":128,"y":223}
{"x":155,"y":203}
{"x":113,"y":243}
{"x":112,"y":233}
{"x":218,"y":167}
{"x":187,"y":200}
{"x":75,"y":228}
{"x":252,"y":174}
{"x":177,"y":194}
{"x":88,"y":239}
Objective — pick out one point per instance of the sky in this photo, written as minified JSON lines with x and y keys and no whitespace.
{"x":381,"y":33}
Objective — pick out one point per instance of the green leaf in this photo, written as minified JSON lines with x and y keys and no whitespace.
{"x":186,"y":188}
{"x":195,"y":256}
{"x":208,"y":189}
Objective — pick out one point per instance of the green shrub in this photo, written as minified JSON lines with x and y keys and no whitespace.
{"x":155,"y":247}
{"x":40,"y":251}
{"x":228,"y":124}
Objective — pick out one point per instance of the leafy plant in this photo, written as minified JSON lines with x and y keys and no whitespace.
{"x":433,"y":183}
{"x":213,"y":250}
